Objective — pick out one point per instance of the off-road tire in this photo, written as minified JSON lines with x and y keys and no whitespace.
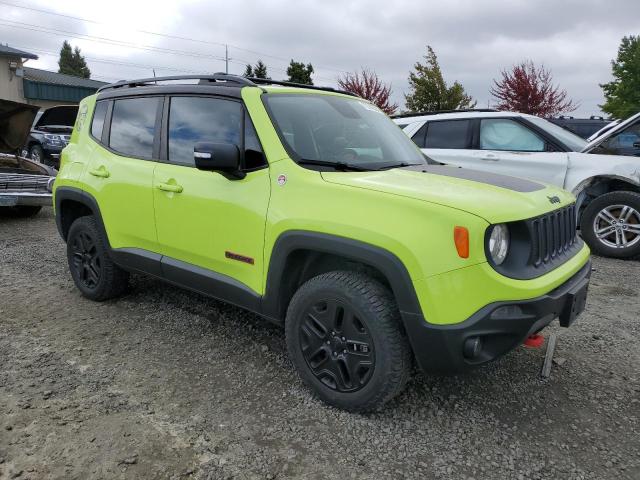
{"x":376,"y":309}
{"x":625,"y":198}
{"x":111,"y":281}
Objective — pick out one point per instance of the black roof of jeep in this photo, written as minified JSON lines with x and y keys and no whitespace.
{"x":218,"y":83}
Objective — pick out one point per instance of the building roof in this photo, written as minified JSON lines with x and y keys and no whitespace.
{"x":7,"y":51}
{"x":54,"y":78}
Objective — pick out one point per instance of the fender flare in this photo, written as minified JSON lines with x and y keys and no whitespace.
{"x":383,"y":260}
{"x":74,"y":194}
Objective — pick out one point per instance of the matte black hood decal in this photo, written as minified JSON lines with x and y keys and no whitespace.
{"x":503,"y":181}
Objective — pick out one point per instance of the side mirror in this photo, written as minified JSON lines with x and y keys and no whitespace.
{"x":218,"y":157}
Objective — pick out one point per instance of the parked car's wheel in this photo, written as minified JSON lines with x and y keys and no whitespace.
{"x":611,"y":224}
{"x":92,"y":270}
{"x":36,"y":153}
{"x":344,"y":337}
{"x":20,"y":211}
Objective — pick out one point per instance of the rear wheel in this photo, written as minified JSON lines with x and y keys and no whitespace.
{"x":611,"y":224}
{"x":345,"y":339}
{"x":92,"y":270}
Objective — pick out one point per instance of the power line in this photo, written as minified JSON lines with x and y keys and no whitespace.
{"x":108,"y":41}
{"x":165,"y":35}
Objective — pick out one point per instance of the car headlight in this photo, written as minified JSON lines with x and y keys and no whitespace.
{"x":49,"y":138}
{"x":499,"y":243}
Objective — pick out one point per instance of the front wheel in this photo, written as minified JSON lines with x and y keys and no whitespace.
{"x":611,"y":224}
{"x":36,"y":153}
{"x":345,"y":339}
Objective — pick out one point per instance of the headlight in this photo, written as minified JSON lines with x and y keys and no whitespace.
{"x":49,"y":138}
{"x":499,"y":243}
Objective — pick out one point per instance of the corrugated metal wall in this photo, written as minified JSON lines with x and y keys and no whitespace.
{"x":59,"y":93}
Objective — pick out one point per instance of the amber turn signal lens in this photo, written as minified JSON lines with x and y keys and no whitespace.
{"x":461,"y":239}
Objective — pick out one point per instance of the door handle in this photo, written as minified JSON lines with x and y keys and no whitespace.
{"x":490,"y":157}
{"x":100,"y":172}
{"x":168,"y":187}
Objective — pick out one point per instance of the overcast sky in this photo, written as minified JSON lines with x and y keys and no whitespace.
{"x":474,"y":40}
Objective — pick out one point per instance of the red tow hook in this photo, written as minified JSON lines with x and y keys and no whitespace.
{"x":534,"y":341}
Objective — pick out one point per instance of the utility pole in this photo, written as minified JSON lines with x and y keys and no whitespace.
{"x":226,"y":58}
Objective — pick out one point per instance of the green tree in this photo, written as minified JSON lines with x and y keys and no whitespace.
{"x":622,"y":95}
{"x":300,"y":73}
{"x":248,"y":71}
{"x":429,"y":91}
{"x":260,"y":70}
{"x":72,"y":62}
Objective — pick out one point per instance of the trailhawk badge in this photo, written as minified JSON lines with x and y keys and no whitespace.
{"x":282,"y":179}
{"x":554,"y":199}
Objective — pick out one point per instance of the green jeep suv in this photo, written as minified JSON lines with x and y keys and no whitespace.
{"x":311,"y":208}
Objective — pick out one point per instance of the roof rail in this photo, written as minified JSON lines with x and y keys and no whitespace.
{"x":436,"y":112}
{"x":217,"y":78}
{"x":236,"y":80}
{"x":268,"y":81}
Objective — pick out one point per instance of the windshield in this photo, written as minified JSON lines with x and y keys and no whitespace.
{"x":340,"y":131}
{"x":571,"y":140}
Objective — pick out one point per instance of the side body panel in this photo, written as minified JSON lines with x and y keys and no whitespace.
{"x":213,"y":219}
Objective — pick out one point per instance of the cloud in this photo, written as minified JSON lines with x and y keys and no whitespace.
{"x":474,"y":40}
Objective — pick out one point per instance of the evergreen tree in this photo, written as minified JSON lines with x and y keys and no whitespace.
{"x":260,"y":70}
{"x":72,"y":62}
{"x":248,"y":71}
{"x":622,"y":95}
{"x":429,"y":91}
{"x":300,"y":73}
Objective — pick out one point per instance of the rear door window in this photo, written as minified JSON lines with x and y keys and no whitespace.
{"x":507,"y":135}
{"x":447,"y":134}
{"x":133,"y":126}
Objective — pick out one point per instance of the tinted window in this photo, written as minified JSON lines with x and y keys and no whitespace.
{"x":418,"y":137}
{"x":253,"y":156}
{"x":99,"y":115}
{"x":626,"y":142}
{"x":133,"y":125}
{"x":447,"y":134}
{"x":198,"y":119}
{"x":502,"y":134}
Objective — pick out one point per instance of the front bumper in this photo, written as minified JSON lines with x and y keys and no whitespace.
{"x":26,"y":198}
{"x":500,"y":327}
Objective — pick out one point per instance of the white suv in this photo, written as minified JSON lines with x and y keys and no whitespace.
{"x":604,"y":174}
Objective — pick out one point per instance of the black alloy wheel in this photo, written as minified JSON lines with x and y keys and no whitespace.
{"x":337,"y":346}
{"x":86,"y":260}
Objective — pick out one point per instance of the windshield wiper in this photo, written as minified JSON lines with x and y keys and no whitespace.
{"x":341,"y":166}
{"x":397,"y":165}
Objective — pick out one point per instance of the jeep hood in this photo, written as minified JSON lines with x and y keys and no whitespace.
{"x":15,"y":124}
{"x":495,"y":198}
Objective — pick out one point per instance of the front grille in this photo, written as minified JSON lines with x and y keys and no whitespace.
{"x":552,"y":235}
{"x":14,"y":182}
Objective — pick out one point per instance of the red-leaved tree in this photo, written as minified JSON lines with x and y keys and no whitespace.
{"x":367,"y":85}
{"x":529,"y":89}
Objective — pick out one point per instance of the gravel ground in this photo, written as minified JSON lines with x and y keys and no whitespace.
{"x":163,"y":383}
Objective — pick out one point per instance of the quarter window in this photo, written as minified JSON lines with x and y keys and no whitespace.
{"x":419,"y":136}
{"x":99,"y":114}
{"x":447,"y":134}
{"x":198,"y":119}
{"x":133,"y":126}
{"x":503,"y":134}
